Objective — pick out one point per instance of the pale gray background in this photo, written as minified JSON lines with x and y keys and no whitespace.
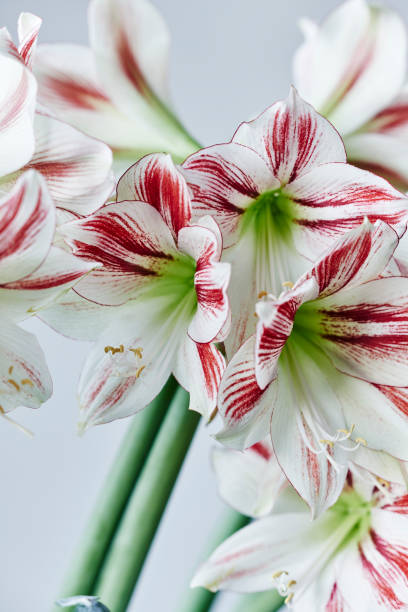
{"x":230,"y":60}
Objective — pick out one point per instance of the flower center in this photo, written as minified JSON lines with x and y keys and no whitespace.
{"x":349,"y":506}
{"x":270,"y":215}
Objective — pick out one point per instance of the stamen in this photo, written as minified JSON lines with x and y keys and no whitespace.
{"x":27,"y":381}
{"x":383,"y":483}
{"x":328,"y":442}
{"x":138,"y":352}
{"x":289,"y":598}
{"x":262,"y":294}
{"x":279,"y":574}
{"x":288,"y":284}
{"x":139,"y":371}
{"x":361,"y":441}
{"x":5,"y":416}
{"x":15,"y":385}
{"x":113,"y":349}
{"x":10,"y":370}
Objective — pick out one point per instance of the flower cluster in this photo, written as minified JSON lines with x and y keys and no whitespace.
{"x":267,"y":274}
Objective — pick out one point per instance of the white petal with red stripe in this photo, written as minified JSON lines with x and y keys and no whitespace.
{"x":28,"y":28}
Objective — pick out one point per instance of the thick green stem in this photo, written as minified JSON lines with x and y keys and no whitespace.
{"x":260,"y":602}
{"x":136,"y":531}
{"x":115,"y":493}
{"x":199,"y":599}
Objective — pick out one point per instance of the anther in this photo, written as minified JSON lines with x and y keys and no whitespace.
{"x":10,"y":370}
{"x":13,"y":382}
{"x":138,"y":352}
{"x":288,"y":284}
{"x":291,"y":583}
{"x":361,"y":441}
{"x":27,"y":381}
{"x":383,"y":482}
{"x":289,"y":598}
{"x":324,"y":441}
{"x":279,"y":574}
{"x":140,"y":370}
{"x":262,"y":294}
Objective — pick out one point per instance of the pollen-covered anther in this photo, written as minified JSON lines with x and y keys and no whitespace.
{"x":382,"y":482}
{"x":138,"y":352}
{"x":14,"y":383}
{"x":282,"y":583}
{"x":329,"y":442}
{"x":289,"y":598}
{"x":279,"y":574}
{"x":27,"y":381}
{"x":361,"y":441}
{"x":262,"y":294}
{"x":288,"y":284}
{"x":114,"y":349}
{"x":139,"y":371}
{"x":10,"y":370}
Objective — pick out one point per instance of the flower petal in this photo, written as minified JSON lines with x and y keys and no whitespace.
{"x":130,"y":240}
{"x":366,"y":337}
{"x":156,"y":180}
{"x":77,"y":168}
{"x":28,"y":28}
{"x":203,"y":243}
{"x":334,"y":198}
{"x":24,"y":376}
{"x":224,"y":180}
{"x":249,"y":481}
{"x":292,"y":138}
{"x":245,"y":408}
{"x":17,"y":102}
{"x":199,"y":368}
{"x":353,"y":65}
{"x":27,"y":225}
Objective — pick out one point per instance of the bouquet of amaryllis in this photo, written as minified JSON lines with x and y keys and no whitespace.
{"x":258,"y":286}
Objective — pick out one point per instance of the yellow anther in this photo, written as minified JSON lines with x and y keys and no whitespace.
{"x":278,"y":574}
{"x":324,"y":441}
{"x":255,"y":314}
{"x":291,"y":583}
{"x":289,"y":598}
{"x":13,"y":382}
{"x":361,"y":440}
{"x":348,"y":432}
{"x":383,"y":482}
{"x":140,"y":370}
{"x":288,"y":284}
{"x":113,"y":349}
{"x":11,"y":369}
{"x":138,"y":352}
{"x":261,"y":294}
{"x":27,"y":381}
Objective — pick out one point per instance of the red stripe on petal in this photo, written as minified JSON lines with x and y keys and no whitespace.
{"x":213,"y":365}
{"x":399,"y":505}
{"x":75,"y":93}
{"x":381,"y":582}
{"x":130,"y":65}
{"x":261,"y":449}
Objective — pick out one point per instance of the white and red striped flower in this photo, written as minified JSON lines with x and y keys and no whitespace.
{"x":33,"y":272}
{"x":77,"y":168}
{"x":326,"y":370}
{"x":117,"y":90}
{"x":352,"y":68}
{"x":354,"y":558}
{"x":163,"y":281}
{"x":281,"y":193}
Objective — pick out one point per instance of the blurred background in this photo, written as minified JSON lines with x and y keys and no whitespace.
{"x":229,"y":61}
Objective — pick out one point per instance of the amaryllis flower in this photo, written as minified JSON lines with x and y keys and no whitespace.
{"x":281,"y":193}
{"x":250,"y":481}
{"x":77,"y":168}
{"x":116,"y":90}
{"x":352,"y":68}
{"x":326,"y":368}
{"x":163,"y":279}
{"x":32,"y":274}
{"x":354,"y":558}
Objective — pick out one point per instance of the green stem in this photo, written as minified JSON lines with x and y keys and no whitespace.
{"x":117,"y":489}
{"x":135,"y":533}
{"x":260,"y":602}
{"x":199,"y":599}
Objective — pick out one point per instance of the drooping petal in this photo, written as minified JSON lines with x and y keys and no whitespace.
{"x":364,"y":330}
{"x":224,"y":180}
{"x":199,"y":368}
{"x":249,"y":481}
{"x":55,"y":276}
{"x":306,"y":417}
{"x":353,"y":65}
{"x":28,"y":28}
{"x":247,"y":561}
{"x":245,"y":408}
{"x":17,"y":102}
{"x":27,"y":225}
{"x":130,"y":240}
{"x":78,"y":318}
{"x":77,"y":168}
{"x":156,"y":180}
{"x":203,"y":243}
{"x":334,"y":198}
{"x":292,"y":138}
{"x":24,"y":376}
{"x":129,"y":364}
